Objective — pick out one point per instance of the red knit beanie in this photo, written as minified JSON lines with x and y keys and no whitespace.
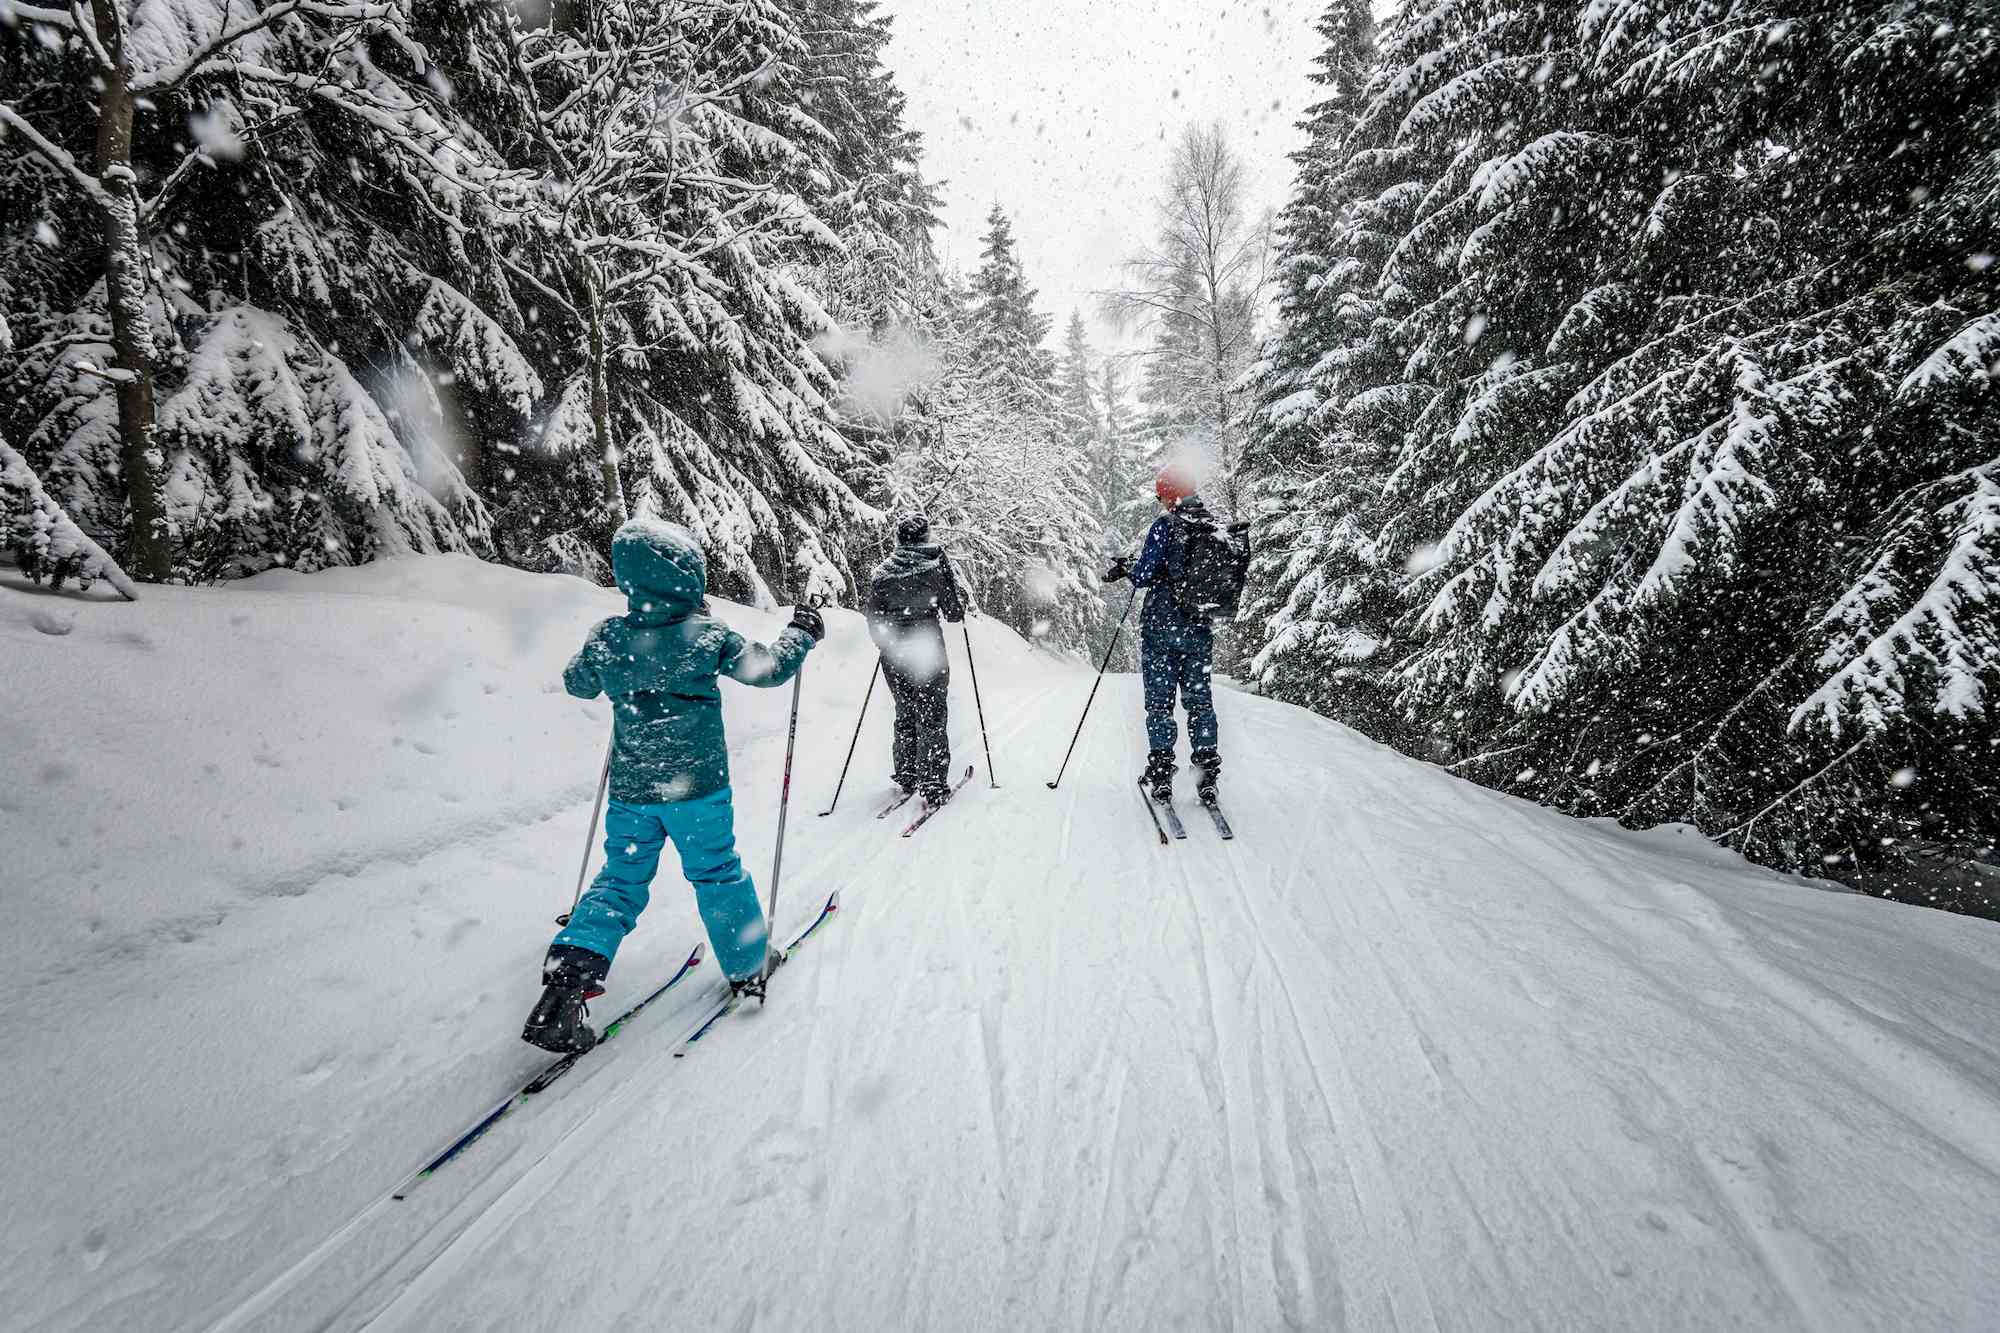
{"x":1174,"y":485}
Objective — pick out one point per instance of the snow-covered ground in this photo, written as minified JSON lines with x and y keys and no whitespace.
{"x":280,"y":861}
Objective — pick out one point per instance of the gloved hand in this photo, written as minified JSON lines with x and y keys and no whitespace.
{"x":807,"y":619}
{"x":1119,"y":569}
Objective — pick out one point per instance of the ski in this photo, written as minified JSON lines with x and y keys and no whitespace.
{"x":1162,"y":809}
{"x":732,"y":1002}
{"x":1151,"y":813}
{"x":1214,"y":809}
{"x":902,"y":799}
{"x":562,"y":1065}
{"x":923,"y":816}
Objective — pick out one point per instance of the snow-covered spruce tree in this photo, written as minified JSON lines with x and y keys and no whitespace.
{"x":666,"y":138}
{"x":1321,"y":600}
{"x":291,"y":448}
{"x":1081,"y":415}
{"x":875,"y":197}
{"x":183,"y":105}
{"x":1105,"y":482}
{"x":1009,"y":336}
{"x":984,"y":452}
{"x":1125,"y":471}
{"x":1693,"y":340}
{"x":880,"y":285}
{"x":43,"y":540}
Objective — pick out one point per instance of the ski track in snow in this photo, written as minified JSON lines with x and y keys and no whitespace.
{"x":1407,"y":1054}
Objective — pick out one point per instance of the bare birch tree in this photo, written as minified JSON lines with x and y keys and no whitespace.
{"x":1197,"y":291}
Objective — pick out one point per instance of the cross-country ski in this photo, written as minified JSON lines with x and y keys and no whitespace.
{"x":1512,"y":490}
{"x":1220,"y":820}
{"x":931,"y":808}
{"x":896,"y":802}
{"x":1166,"y":820}
{"x":541,"y":1081}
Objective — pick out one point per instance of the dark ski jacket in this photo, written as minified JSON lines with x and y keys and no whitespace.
{"x":914,"y":584}
{"x":659,"y":663}
{"x":1159,"y":567}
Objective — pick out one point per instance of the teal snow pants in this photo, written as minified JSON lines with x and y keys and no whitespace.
{"x":703,"y":831}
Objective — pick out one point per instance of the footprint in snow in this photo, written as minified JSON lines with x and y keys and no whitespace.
{"x":869,"y":1095}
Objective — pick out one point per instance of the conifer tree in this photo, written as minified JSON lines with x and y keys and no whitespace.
{"x":184,"y":109}
{"x":985,"y":452}
{"x":1322,"y":597}
{"x":46,"y":544}
{"x":1665,"y":347}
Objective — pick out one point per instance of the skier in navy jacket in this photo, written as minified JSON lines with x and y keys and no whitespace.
{"x":1176,"y":650}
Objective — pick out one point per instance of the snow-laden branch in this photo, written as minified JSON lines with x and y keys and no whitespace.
{"x":86,"y":28}
{"x":15,"y":11}
{"x":171,"y":77}
{"x":57,"y":156}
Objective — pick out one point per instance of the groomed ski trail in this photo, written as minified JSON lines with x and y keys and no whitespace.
{"x":1404,"y":1054}
{"x":1256,"y":1084}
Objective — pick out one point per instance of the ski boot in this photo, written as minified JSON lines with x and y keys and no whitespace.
{"x":936,"y":794}
{"x":1209,"y":763}
{"x":774,"y":958}
{"x":1159,"y":775}
{"x":571,"y":978}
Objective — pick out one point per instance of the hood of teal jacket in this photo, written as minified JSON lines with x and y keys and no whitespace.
{"x":660,"y":569}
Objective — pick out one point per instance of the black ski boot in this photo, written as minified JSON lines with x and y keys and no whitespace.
{"x":571,"y":978}
{"x":774,"y":958}
{"x":1159,"y":774}
{"x":1210,"y":765}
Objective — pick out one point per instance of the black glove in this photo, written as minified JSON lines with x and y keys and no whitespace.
{"x":808,"y":620}
{"x":1118,"y":570}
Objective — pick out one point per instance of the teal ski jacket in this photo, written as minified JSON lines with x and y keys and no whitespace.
{"x":659,"y":663}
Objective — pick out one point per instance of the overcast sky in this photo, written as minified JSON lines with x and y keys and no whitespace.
{"x":1064,"y":112}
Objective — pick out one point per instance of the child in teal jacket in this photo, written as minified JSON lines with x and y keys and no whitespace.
{"x":659,"y":663}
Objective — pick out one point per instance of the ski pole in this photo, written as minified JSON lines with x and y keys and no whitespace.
{"x":872,"y":677}
{"x":973,"y":667}
{"x":785,"y":792}
{"x":596,"y":808}
{"x":1101,"y":666}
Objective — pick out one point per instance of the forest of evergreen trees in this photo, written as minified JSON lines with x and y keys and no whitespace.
{"x":312,"y":282}
{"x":1630,"y":439}
{"x":1613,"y":397}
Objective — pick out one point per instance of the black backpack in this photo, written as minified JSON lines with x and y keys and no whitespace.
{"x":1215,"y":564}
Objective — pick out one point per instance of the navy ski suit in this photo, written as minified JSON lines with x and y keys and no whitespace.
{"x":1176,"y":651}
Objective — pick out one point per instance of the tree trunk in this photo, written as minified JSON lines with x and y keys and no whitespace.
{"x":1221,"y":376}
{"x":149,"y":545}
{"x":600,"y":414}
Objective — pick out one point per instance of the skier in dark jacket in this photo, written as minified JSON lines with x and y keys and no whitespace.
{"x":659,"y":664}
{"x":1176,"y":650}
{"x":906,"y":595}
